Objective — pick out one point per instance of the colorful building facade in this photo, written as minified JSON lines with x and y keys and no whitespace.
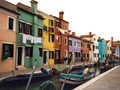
{"x":29,"y":36}
{"x":8,"y":15}
{"x":102,"y":48}
{"x":115,"y":49}
{"x":48,"y":38}
{"x":74,"y":46}
{"x":61,"y":38}
{"x":109,"y":51}
{"x":93,"y":38}
{"x":86,"y":47}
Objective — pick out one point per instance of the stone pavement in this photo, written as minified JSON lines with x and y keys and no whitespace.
{"x":109,"y":80}
{"x":29,"y":70}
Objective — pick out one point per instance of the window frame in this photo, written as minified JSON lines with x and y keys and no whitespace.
{"x":70,"y":42}
{"x":51,"y":37}
{"x":59,"y":40}
{"x":9,"y":53}
{"x":41,"y":32}
{"x":30,"y":54}
{"x":13,"y":23}
{"x":66,"y":41}
{"x":51,"y":54}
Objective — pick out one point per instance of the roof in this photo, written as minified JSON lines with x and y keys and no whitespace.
{"x":27,"y":9}
{"x":8,"y":6}
{"x":45,"y":14}
{"x":74,"y":36}
{"x":100,"y":39}
{"x":107,"y":41}
{"x":85,"y":40}
{"x":89,"y":35}
{"x":59,"y":18}
{"x":116,"y":41}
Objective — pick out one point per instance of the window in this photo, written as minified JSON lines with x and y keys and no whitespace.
{"x":84,"y":55}
{"x":21,"y":27}
{"x":25,"y":28}
{"x":75,"y":54}
{"x":98,"y":54}
{"x":78,"y":44}
{"x":74,"y":43}
{"x":51,"y":29}
{"x":96,"y":47}
{"x":51,"y":37}
{"x":78,"y":54}
{"x":45,"y":28}
{"x":103,"y":55}
{"x":11,"y":23}
{"x":28,"y":51}
{"x":57,"y":24}
{"x":93,"y":47}
{"x":66,"y":27}
{"x":40,"y":34}
{"x":65,"y":41}
{"x":40,"y":52}
{"x":94,"y":54}
{"x":59,"y":40}
{"x":57,"y":54}
{"x":70,"y":42}
{"x":88,"y":45}
{"x":28,"y":29}
{"x":65,"y":53}
{"x":51,"y":54}
{"x":7,"y":51}
{"x":87,"y":55}
{"x":81,"y":44}
{"x":51,"y":22}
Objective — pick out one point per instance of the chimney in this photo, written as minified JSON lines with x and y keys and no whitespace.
{"x":90,"y":33}
{"x":34,"y":6}
{"x":111,"y":41}
{"x":73,"y":33}
{"x":61,"y":14}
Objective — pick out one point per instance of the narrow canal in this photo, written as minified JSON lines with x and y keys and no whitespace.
{"x":36,"y":85}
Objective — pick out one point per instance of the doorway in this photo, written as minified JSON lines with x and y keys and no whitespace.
{"x":20,"y":56}
{"x":45,"y":57}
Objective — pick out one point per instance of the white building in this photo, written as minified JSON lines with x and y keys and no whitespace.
{"x":108,"y":44}
{"x":93,"y":38}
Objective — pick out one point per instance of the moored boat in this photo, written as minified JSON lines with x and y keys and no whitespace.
{"x":75,"y":79}
{"x":23,"y":79}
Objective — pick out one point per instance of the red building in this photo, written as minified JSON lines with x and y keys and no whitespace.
{"x":61,"y":38}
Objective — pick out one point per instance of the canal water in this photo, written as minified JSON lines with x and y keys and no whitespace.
{"x":36,"y":85}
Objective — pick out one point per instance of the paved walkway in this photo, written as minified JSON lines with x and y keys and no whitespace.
{"x":109,"y":80}
{"x":23,"y":71}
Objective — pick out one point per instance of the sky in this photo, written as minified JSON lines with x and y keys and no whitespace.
{"x":101,"y":17}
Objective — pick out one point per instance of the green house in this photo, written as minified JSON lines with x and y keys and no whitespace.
{"x":29,"y":36}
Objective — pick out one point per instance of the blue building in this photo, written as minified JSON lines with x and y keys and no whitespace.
{"x":102,"y":49}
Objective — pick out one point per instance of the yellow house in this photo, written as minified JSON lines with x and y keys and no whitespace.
{"x":48,"y":38}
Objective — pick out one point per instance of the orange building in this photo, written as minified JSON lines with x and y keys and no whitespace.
{"x":86,"y":45}
{"x":61,"y":38}
{"x":8,"y":15}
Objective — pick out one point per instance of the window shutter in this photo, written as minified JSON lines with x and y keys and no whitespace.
{"x":3,"y":49}
{"x":52,"y":38}
{"x":52,"y":54}
{"x":11,"y":50}
{"x":49,"y":37}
